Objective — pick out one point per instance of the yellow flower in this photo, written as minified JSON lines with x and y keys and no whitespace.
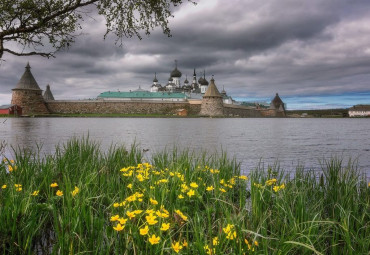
{"x":209,"y":188}
{"x":137,"y":211}
{"x":165,"y":226}
{"x":35,"y":193}
{"x":255,"y":243}
{"x":11,"y":168}
{"x":215,"y":241}
{"x":154,"y":239}
{"x":153,"y":201}
{"x":277,"y":188}
{"x":180,"y":196}
{"x":185,"y":243}
{"x":222,"y":190}
{"x":128,"y":174}
{"x":151,"y":219}
{"x":140,"y":177}
{"x":144,"y":231}
{"x":228,"y":230}
{"x":18,"y":187}
{"x":231,"y":235}
{"x":243,"y":177}
{"x":59,"y":193}
{"x":125,"y":169}
{"x":271,"y":182}
{"x":129,"y":186}
{"x":114,"y":218}
{"x":116,"y":205}
{"x":122,"y":221}
{"x":184,"y":187}
{"x":149,"y":211}
{"x":176,"y":247}
{"x":53,"y":185}
{"x":194,"y":185}
{"x":181,"y":215}
{"x":258,"y":185}
{"x":164,"y":214}
{"x":119,"y":227}
{"x":209,"y":251}
{"x":4,"y":186}
{"x":75,"y":191}
{"x":130,"y":214}
{"x":368,"y":184}
{"x":191,"y":193}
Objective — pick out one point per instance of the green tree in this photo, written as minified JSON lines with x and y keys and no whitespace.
{"x":41,"y":25}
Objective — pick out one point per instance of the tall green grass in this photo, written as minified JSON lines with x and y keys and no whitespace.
{"x":322,"y":213}
{"x":272,"y":213}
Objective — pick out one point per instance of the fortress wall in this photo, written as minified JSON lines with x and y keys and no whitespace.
{"x":106,"y":107}
{"x":272,"y":113}
{"x":240,"y":111}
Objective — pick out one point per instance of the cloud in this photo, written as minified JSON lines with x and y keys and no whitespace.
{"x":254,"y":49}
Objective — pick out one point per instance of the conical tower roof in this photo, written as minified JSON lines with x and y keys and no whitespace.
{"x":47,"y":94}
{"x":212,"y":90}
{"x":27,"y":80}
{"x":277,"y":101}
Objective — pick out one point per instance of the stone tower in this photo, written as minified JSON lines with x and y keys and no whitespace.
{"x":212,"y":103}
{"x":278,"y":105}
{"x":28,"y":94}
{"x":48,"y":96}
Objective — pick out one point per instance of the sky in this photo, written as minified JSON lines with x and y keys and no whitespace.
{"x":315,"y":54}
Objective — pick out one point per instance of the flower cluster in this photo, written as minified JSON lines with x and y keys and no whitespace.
{"x":272,"y":183}
{"x":158,"y":204}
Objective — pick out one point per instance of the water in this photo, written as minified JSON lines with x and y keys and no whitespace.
{"x":288,"y":141}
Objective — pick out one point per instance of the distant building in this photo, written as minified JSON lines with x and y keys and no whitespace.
{"x":10,"y":109}
{"x":198,"y":98}
{"x":360,"y":110}
{"x":142,"y":95}
{"x":172,"y":91}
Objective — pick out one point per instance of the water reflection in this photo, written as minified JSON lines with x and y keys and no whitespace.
{"x":290,"y":141}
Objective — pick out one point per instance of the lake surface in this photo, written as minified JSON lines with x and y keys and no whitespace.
{"x":288,"y":141}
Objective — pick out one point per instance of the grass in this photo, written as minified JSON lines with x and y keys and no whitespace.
{"x":178,"y":202}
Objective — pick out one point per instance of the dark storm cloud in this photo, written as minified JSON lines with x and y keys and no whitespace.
{"x":254,"y":49}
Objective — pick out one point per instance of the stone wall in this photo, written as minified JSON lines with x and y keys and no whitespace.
{"x":212,"y":106}
{"x":272,"y":113}
{"x":241,"y":111}
{"x":106,"y":107}
{"x":31,"y":101}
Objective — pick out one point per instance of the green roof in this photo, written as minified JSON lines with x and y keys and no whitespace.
{"x":141,"y":94}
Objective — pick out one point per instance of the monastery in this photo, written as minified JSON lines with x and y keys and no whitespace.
{"x":199,"y":97}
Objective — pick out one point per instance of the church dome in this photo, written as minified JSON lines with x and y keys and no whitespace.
{"x":204,"y":82}
{"x":176,"y":73}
